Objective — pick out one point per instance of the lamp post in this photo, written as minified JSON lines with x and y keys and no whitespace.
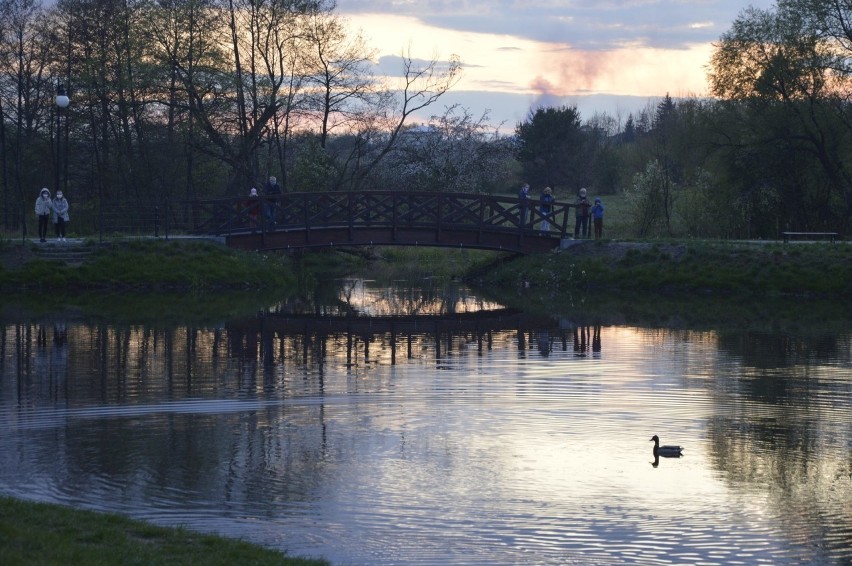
{"x":62,"y":102}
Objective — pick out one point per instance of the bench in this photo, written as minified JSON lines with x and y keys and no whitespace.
{"x":810,"y":235}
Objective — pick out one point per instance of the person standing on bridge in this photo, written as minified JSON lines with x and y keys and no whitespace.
{"x":581,"y":220}
{"x":597,"y":217}
{"x":272,"y":191}
{"x":524,"y":204}
{"x":546,"y":209}
{"x":252,"y":205}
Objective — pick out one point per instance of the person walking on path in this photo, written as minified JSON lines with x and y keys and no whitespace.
{"x":597,"y":217}
{"x":524,"y":204}
{"x":546,"y":208}
{"x":43,"y":208}
{"x":60,"y":215}
{"x":581,"y":221}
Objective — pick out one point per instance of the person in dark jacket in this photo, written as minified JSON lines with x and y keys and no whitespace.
{"x":546,"y":209}
{"x":524,"y":204}
{"x":271,"y":192}
{"x":581,"y":221}
{"x":597,"y":217}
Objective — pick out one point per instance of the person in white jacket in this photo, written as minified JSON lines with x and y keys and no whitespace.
{"x":43,"y":208}
{"x":60,"y":215}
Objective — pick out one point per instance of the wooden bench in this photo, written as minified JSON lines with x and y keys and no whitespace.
{"x":810,"y":235}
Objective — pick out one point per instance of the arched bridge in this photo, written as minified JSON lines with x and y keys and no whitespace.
{"x":327,"y":219}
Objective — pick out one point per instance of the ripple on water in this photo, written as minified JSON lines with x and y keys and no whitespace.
{"x":497,"y":456}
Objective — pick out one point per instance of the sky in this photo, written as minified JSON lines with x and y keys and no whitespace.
{"x":603,"y":56}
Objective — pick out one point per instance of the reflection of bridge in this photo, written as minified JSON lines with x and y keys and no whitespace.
{"x":473,"y":322}
{"x":325,"y":219}
{"x":531,"y":331}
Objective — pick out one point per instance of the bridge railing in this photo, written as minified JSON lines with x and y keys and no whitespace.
{"x":432,"y":210}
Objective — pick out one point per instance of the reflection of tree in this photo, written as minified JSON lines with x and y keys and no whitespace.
{"x":206,"y":457}
{"x":596,"y":339}
{"x":786,"y":461}
{"x":776,"y":431}
{"x":768,"y":358}
{"x":544,"y":344}
{"x":366,"y":298}
{"x":59,"y":354}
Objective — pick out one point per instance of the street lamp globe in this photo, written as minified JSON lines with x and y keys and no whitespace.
{"x":62,"y":100}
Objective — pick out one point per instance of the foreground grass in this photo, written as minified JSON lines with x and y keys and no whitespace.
{"x":149,"y":265}
{"x":391,"y":263}
{"x":37,"y":533}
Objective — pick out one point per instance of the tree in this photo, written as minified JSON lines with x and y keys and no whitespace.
{"x":376,"y":132}
{"x":340,"y":81}
{"x":551,"y":143}
{"x":183,"y":40}
{"x":452,"y":152}
{"x":644,"y":198}
{"x":790,"y":67}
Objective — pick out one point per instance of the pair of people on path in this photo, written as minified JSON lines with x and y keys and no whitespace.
{"x":45,"y":207}
{"x":586,"y":213}
{"x":545,"y":207}
{"x":254,"y":204}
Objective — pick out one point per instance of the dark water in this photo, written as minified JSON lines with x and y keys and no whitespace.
{"x":462,"y":433}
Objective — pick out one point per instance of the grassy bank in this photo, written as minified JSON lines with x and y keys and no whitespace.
{"x":722,"y":269}
{"x":150,"y":265}
{"x":37,"y":533}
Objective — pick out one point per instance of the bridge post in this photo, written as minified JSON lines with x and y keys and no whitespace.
{"x":439,"y":205}
{"x":350,"y":215}
{"x":482,"y":210}
{"x":565,"y":216}
{"x":305,"y":218}
{"x":262,"y":214}
{"x":394,"y":207}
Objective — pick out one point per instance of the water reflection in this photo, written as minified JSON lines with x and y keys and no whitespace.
{"x":381,"y":426}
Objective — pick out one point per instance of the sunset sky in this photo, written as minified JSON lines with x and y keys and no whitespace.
{"x":601,"y":55}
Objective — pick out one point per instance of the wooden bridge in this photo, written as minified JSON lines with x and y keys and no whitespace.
{"x":386,"y":218}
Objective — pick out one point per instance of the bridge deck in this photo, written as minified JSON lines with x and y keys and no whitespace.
{"x":310,"y":220}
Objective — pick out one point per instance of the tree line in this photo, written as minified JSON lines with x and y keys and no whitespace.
{"x":181,"y":99}
{"x":175,"y":100}
{"x":770,"y":151}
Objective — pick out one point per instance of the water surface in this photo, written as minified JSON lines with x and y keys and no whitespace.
{"x":463,"y":432}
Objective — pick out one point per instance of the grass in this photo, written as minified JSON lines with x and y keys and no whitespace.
{"x":45,"y":534}
{"x":685,"y":267}
{"x":159,"y":310}
{"x":413,"y":262}
{"x":149,"y":266}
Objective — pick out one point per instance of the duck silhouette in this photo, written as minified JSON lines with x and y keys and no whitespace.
{"x":666,"y":451}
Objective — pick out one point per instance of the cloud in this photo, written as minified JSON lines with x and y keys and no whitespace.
{"x":584,"y":24}
{"x":394,"y":65}
{"x":521,"y":53}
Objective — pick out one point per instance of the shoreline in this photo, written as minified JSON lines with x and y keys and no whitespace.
{"x":679,"y":267}
{"x":689,"y":268}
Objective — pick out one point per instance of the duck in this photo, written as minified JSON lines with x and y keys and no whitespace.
{"x":667,"y":451}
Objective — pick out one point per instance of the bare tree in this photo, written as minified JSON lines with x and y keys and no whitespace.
{"x":453,"y":152}
{"x":341,"y":80}
{"x":26,"y":99}
{"x":422,"y":84}
{"x":184,"y":38}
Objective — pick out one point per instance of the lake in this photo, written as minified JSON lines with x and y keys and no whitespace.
{"x":425,"y":424}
